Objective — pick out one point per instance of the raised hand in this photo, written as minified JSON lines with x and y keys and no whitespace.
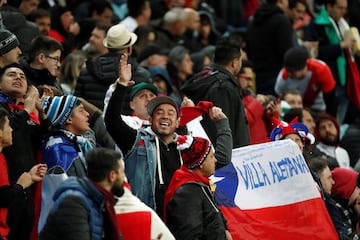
{"x":187,"y":102}
{"x":30,"y":99}
{"x":125,"y":71}
{"x":216,"y":114}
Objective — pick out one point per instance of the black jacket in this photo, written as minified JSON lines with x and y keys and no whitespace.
{"x":24,"y":30}
{"x":200,"y":219}
{"x":100,"y":73}
{"x":39,"y":77}
{"x":217,"y":85}
{"x":21,"y":157}
{"x":269,"y":36}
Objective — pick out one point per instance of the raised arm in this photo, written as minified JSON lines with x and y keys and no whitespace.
{"x":224,"y":143}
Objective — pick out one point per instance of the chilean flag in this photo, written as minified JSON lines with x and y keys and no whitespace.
{"x":267,"y":192}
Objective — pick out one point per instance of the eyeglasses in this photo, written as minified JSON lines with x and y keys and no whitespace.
{"x":56,"y":59}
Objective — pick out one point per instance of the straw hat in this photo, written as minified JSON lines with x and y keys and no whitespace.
{"x":118,"y":37}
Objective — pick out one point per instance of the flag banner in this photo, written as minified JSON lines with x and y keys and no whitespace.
{"x":267,"y":192}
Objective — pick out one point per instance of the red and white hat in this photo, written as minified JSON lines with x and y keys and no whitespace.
{"x":194,"y":150}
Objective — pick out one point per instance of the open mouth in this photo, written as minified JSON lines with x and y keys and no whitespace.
{"x":17,"y":84}
{"x":164,"y":124}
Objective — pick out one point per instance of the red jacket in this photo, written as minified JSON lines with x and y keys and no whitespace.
{"x":254,"y":113}
{"x":4,"y":181}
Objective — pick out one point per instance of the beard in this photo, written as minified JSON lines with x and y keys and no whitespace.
{"x":330,"y":140}
{"x":117,"y":190}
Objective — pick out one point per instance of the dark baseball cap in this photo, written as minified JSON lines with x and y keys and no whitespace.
{"x":155,"y":102}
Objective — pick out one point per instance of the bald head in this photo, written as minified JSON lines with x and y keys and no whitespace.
{"x":192,"y":19}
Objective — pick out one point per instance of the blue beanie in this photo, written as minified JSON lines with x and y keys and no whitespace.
{"x":59,"y":109}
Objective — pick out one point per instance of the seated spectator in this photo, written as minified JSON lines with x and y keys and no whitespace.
{"x":327,"y":133}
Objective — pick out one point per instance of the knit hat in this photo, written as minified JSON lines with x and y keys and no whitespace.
{"x":152,"y":105}
{"x":59,"y":109}
{"x":189,"y":113}
{"x":283,"y":128}
{"x":194,"y":150}
{"x":345,"y":182}
{"x":295,"y":59}
{"x":8,"y":41}
{"x":140,"y":86}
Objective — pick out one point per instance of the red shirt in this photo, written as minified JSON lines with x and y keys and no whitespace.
{"x":4,"y":181}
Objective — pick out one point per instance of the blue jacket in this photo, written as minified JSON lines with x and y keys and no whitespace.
{"x":140,"y":166}
{"x":77,"y":212}
{"x":59,"y":152}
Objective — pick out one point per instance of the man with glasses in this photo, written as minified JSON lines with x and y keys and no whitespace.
{"x":44,"y":61}
{"x":255,"y":105}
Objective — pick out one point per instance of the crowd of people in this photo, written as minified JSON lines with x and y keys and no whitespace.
{"x":101,"y":101}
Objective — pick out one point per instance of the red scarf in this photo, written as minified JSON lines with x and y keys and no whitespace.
{"x":19,"y":107}
{"x":181,"y":177}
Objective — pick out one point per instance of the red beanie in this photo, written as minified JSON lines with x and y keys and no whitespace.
{"x":194,"y":150}
{"x":345,"y":182}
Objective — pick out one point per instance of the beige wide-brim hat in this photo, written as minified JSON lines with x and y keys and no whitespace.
{"x":118,"y":37}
